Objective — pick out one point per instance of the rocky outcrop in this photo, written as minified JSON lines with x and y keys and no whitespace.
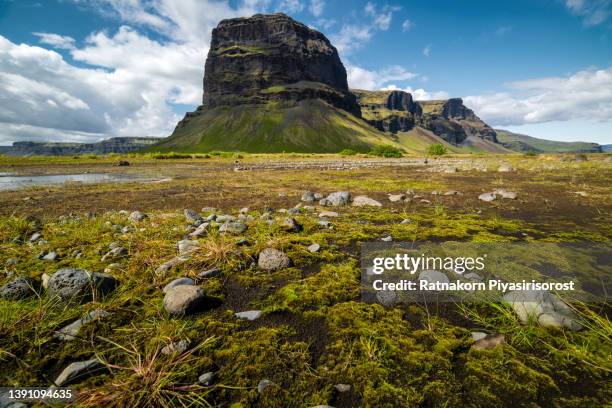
{"x":112,"y":145}
{"x":272,"y":57}
{"x":396,"y":111}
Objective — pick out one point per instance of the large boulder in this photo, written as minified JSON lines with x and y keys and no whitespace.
{"x":80,"y":285}
{"x":18,"y":288}
{"x":339,"y":198}
{"x":186,"y":299}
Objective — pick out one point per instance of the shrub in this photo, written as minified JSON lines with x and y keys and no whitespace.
{"x":347,"y":152}
{"x":171,"y":155}
{"x":386,"y":151}
{"x":436,"y":150}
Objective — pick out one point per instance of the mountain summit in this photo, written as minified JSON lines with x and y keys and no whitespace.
{"x":272,"y":84}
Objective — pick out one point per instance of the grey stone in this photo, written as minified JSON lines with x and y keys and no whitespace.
{"x":308,"y":197}
{"x":192,"y":216}
{"x":542,"y":307}
{"x":211,"y":217}
{"x":176,"y":347}
{"x":478,"y":335}
{"x":342,"y":387}
{"x":209,"y":273}
{"x":394,"y":198}
{"x":233,"y":227}
{"x":314,"y":248}
{"x":166,"y":266}
{"x":51,"y":256}
{"x":406,"y":221}
{"x":432,"y":276}
{"x":328,"y":214}
{"x":271,"y":259}
{"x":249,"y":315}
{"x":35,"y":237}
{"x":505,"y":194}
{"x":201,"y":230}
{"x":186,"y":246}
{"x":207,"y":378}
{"x":71,"y":331}
{"x":361,"y":201}
{"x":387,"y":238}
{"x":178,"y":282}
{"x":263,"y":384}
{"x":115,"y":253}
{"x":386,"y":297}
{"x":79,"y":370}
{"x":79,"y":284}
{"x":339,"y":198}
{"x":45,"y":280}
{"x":318,"y":196}
{"x":473,"y":276}
{"x":489,"y":341}
{"x":185,"y":299}
{"x":505,"y":167}
{"x":18,"y":288}
{"x":225,"y":218}
{"x":486,"y":197}
{"x":324,"y":223}
{"x":289,"y":224}
{"x":137,"y":216}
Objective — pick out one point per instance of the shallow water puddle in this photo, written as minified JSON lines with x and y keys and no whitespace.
{"x":11,"y":182}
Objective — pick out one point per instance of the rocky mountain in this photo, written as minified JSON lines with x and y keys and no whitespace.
{"x":112,"y":145}
{"x":396,"y":111}
{"x":523,"y":143}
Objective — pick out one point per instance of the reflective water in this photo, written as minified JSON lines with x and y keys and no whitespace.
{"x":11,"y":182}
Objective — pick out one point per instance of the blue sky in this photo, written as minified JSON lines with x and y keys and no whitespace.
{"x":87,"y":69}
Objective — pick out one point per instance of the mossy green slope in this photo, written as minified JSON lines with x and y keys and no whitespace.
{"x":309,"y":126}
{"x":524,"y":143}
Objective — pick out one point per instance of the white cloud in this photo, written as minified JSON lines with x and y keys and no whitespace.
{"x":419,"y":94}
{"x":291,"y":6}
{"x":407,"y":25}
{"x":592,"y":12}
{"x":427,"y":50}
{"x":584,"y":95}
{"x":125,"y":83}
{"x":503,"y":30}
{"x":56,"y":41}
{"x":361,"y":78}
{"x":353,"y":36}
{"x":316,"y":7}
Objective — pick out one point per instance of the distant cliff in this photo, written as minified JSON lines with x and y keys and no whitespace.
{"x":524,"y":143}
{"x":396,"y":111}
{"x":113,"y":145}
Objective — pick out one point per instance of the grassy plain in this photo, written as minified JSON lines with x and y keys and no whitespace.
{"x":315,"y":332}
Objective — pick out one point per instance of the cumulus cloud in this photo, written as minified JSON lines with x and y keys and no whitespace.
{"x":361,"y":78}
{"x":419,"y":94}
{"x":125,"y":84}
{"x":291,"y":6}
{"x":316,"y":7}
{"x":353,"y":36}
{"x":427,"y":50}
{"x":407,"y":25}
{"x":62,"y":42}
{"x":584,"y":95}
{"x":592,"y":12}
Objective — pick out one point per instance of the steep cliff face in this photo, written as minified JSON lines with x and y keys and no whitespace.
{"x":273,"y":84}
{"x":273,"y":57}
{"x":395,"y":111}
{"x":112,"y":145}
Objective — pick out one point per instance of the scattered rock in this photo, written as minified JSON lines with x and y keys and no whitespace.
{"x":342,"y":387}
{"x":209,"y":273}
{"x":186,"y":299}
{"x":473,"y":276}
{"x":207,"y":379}
{"x":489,"y":342}
{"x":178,"y":282}
{"x":339,"y":198}
{"x":187,"y":246}
{"x":406,"y":221}
{"x":328,"y":214}
{"x":45,"y":280}
{"x":478,"y":336}
{"x":386,"y":297}
{"x":249,"y":315}
{"x":200,"y":231}
{"x":505,"y":168}
{"x":137,"y":216}
{"x":123,"y":163}
{"x":79,"y":284}
{"x":581,"y":193}
{"x":192,"y":216}
{"x":263,"y":384}
{"x":51,"y":256}
{"x":452,"y":193}
{"x":115,"y":253}
{"x":234,"y":227}
{"x":166,"y":266}
{"x":486,"y":197}
{"x":18,"y":288}
{"x":543,"y":307}
{"x":394,"y":198}
{"x":225,"y":218}
{"x":504,"y":193}
{"x":314,"y":248}
{"x":291,"y":225}
{"x":387,"y":238}
{"x":324,"y":223}
{"x":176,"y":347}
{"x":78,"y":371}
{"x":271,"y":259}
{"x":308,"y":197}
{"x":71,"y":331}
{"x":450,"y":169}
{"x":361,"y":201}
{"x":35,"y":237}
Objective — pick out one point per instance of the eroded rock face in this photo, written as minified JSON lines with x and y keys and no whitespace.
{"x":273,"y":57}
